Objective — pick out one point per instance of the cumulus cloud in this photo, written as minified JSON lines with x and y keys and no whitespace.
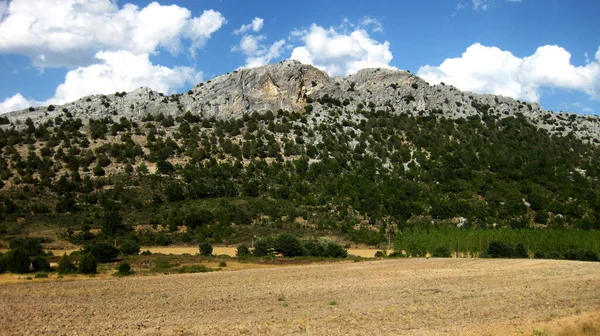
{"x":256,"y":52}
{"x":266,"y":55}
{"x":16,"y":102}
{"x":71,"y":32}
{"x":256,"y":25}
{"x":486,"y":69}
{"x":121,"y":71}
{"x":341,"y":53}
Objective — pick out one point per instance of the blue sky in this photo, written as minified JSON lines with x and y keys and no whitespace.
{"x":55,"y":51}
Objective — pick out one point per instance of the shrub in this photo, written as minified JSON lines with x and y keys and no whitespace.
{"x":40,"y":275}
{"x":17,"y":260}
{"x":130,"y":247}
{"x":242,"y":251}
{"x":379,"y":254}
{"x":66,"y":265}
{"x":521,"y":251}
{"x":3,"y":265}
{"x":146,"y":253}
{"x":313,"y":248}
{"x":124,"y":268}
{"x":103,"y":252}
{"x":288,"y":245}
{"x":205,"y":248}
{"x":263,"y":247}
{"x":334,"y":250}
{"x":33,"y":246}
{"x":396,"y":254}
{"x":497,"y":249}
{"x":40,"y":264}
{"x":87,"y":264}
{"x":441,"y":252}
{"x":222,"y":264}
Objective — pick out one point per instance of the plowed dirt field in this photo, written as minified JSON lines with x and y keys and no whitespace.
{"x":384,"y":297}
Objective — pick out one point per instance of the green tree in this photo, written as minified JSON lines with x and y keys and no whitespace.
{"x":242,"y":251}
{"x":87,"y":264}
{"x":40,"y":264}
{"x":112,"y":223}
{"x":206,"y":248}
{"x":130,"y":247}
{"x":288,"y":245}
{"x":101,"y":251}
{"x":17,"y":260}
{"x":66,"y":265}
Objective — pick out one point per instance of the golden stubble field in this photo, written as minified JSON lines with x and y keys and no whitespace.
{"x":388,"y":297}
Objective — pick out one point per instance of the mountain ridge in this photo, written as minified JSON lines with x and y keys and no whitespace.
{"x":293,"y":86}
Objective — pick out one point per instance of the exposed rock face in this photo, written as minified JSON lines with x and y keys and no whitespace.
{"x":290,"y":85}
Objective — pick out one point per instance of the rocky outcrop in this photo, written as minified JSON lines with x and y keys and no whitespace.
{"x":290,"y":85}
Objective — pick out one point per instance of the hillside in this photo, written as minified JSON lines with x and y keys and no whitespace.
{"x":285,"y":147}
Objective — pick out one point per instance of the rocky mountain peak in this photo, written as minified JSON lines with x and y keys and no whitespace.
{"x":293,"y":86}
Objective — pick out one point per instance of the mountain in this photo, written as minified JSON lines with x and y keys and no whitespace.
{"x":291,"y":86}
{"x":285,"y":147}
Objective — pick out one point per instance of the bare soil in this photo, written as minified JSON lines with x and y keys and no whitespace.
{"x":391,"y":297}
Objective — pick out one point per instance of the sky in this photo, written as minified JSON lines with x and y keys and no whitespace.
{"x":57,"y":51}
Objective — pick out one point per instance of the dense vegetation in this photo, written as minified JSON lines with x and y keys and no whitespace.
{"x":362,"y":175}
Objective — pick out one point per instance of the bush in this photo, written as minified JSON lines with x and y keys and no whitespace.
{"x":130,"y":247}
{"x":33,"y":246}
{"x":3,"y":266}
{"x":66,"y":265}
{"x":146,"y":253}
{"x":263,"y":247}
{"x":334,"y":250}
{"x":521,"y":251}
{"x":222,"y":264}
{"x":288,"y":245}
{"x":205,"y":248}
{"x":87,"y":264}
{"x":441,"y":252}
{"x":17,"y":260}
{"x":124,"y":268}
{"x":379,"y":254}
{"x":40,"y":264}
{"x":242,"y":251}
{"x":103,"y":252}
{"x":40,"y":275}
{"x":497,"y":249}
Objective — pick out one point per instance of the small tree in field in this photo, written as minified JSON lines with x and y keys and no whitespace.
{"x":124,"y":268}
{"x":206,"y":248}
{"x":242,"y":251}
{"x":87,"y":264}
{"x":130,"y":247}
{"x":66,"y":265}
{"x":17,"y":260}
{"x":40,"y":264}
{"x":288,"y":245}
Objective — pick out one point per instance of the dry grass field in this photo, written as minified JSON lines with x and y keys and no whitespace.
{"x":390,"y":297}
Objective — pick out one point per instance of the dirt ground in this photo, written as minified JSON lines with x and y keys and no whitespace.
{"x":217,"y":250}
{"x":391,"y":297}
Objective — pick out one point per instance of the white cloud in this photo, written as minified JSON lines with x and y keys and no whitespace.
{"x":16,"y":102}
{"x":250,"y":45}
{"x":482,"y":4}
{"x":256,"y":25}
{"x":486,"y":4}
{"x":341,"y":54}
{"x":265,"y":57}
{"x":121,"y":71}
{"x":368,"y":21}
{"x":3,"y":8}
{"x":70,"y":32}
{"x":485,"y":69}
